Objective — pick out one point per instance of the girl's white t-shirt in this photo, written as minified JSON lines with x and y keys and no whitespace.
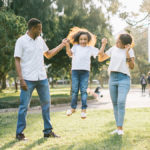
{"x":81,"y":58}
{"x":118,"y":60}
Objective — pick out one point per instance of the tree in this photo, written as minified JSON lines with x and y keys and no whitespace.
{"x":12,"y":27}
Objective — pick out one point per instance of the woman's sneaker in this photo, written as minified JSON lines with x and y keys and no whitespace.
{"x":83,"y":115}
{"x":114,"y":132}
{"x":120,"y":132}
{"x":70,"y":111}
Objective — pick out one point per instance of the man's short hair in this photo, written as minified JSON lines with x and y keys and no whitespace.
{"x":33,"y":22}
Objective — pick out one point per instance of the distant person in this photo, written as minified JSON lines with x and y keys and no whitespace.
{"x":30,"y":50}
{"x":143,"y":82}
{"x":98,"y":92}
{"x":121,"y":60}
{"x":148,"y":80}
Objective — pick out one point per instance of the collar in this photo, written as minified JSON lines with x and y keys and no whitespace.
{"x":29,"y":38}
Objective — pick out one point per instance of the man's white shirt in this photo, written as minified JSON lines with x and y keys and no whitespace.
{"x":31,"y":52}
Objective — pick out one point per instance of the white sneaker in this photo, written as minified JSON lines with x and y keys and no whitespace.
{"x":83,"y":115}
{"x":114,"y":132}
{"x":120,"y":132}
{"x":69,"y":112}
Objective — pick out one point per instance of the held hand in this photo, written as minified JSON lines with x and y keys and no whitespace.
{"x":65,"y":41}
{"x":127,"y":47}
{"x":23,"y":85}
{"x":104,"y":41}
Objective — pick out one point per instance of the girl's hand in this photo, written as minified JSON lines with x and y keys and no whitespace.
{"x":127,"y":47}
{"x":104,"y":41}
{"x":64,"y":41}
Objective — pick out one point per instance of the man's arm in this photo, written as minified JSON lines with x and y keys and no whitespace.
{"x":50,"y":53}
{"x":18,"y":69}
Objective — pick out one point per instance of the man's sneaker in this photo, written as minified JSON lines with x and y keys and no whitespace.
{"x":20,"y":137}
{"x":114,"y":132}
{"x":51,"y":134}
{"x":70,"y":111}
{"x":120,"y":132}
{"x":83,"y":115}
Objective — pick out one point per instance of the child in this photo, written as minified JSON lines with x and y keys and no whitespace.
{"x":121,"y":59}
{"x":98,"y":93}
{"x":83,"y":48}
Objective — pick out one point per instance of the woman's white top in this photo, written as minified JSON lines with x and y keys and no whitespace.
{"x":118,"y":60}
{"x":81,"y":58}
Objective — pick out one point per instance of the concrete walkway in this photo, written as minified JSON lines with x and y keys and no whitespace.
{"x":134,"y":100}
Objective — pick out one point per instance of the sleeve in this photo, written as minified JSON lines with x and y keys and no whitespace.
{"x":131,"y":53}
{"x":18,"y":49}
{"x":73,"y":49}
{"x":94,"y":51}
{"x":45,"y":47}
{"x":109,"y":51}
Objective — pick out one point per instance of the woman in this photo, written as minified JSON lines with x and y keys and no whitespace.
{"x":121,"y":59}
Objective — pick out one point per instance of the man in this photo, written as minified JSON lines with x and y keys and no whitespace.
{"x":30,"y":50}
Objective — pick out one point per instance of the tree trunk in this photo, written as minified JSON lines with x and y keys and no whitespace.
{"x":16,"y":85}
{"x":101,"y":81}
{"x":3,"y":82}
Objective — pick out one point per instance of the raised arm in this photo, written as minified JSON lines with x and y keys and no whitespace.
{"x":130,"y":60}
{"x":68,"y":50}
{"x":101,"y":55}
{"x":50,"y":53}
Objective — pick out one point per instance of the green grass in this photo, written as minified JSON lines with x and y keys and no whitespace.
{"x":77,"y":134}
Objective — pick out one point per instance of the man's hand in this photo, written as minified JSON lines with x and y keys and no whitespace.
{"x":104,"y":41}
{"x":23,"y":85}
{"x":65,"y":41}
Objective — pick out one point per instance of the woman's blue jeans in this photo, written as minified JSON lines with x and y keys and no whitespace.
{"x":79,"y":81}
{"x":119,"y":85}
{"x":42,"y":88}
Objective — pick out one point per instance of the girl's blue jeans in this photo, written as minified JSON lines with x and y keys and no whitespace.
{"x":119,"y":85}
{"x":79,"y":81}
{"x":42,"y":88}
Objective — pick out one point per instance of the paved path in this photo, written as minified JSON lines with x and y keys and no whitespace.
{"x":134,"y":100}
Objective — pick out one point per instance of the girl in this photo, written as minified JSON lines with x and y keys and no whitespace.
{"x":83,"y":48}
{"x":121,"y":59}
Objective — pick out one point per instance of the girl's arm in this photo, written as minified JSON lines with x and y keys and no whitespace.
{"x":130,"y":60}
{"x":101,"y":55}
{"x":68,"y":50}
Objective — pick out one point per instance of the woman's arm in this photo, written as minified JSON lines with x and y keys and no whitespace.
{"x":130,"y":60}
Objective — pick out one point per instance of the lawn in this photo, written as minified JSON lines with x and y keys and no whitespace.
{"x":77,"y":134}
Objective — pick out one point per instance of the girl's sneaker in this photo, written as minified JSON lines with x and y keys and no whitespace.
{"x":120,"y":132}
{"x":70,"y":111}
{"x":114,"y":132}
{"x":83,"y":115}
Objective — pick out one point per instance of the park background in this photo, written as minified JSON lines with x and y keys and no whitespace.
{"x":58,"y":16}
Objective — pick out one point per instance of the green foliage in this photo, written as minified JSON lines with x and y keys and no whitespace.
{"x":59,"y":16}
{"x":11,"y":28}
